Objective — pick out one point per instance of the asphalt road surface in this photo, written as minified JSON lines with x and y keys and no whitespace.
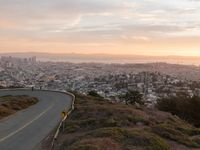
{"x":27,"y":128}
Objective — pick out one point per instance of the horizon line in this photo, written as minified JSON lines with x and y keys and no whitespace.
{"x":109,"y":54}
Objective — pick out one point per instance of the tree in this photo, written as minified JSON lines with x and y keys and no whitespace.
{"x":94,"y":94}
{"x":182,"y":105}
{"x":133,"y":97}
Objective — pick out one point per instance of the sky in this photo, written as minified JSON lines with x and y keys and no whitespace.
{"x":138,"y":27}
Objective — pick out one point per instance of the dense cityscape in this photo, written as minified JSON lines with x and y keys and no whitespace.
{"x":108,"y":80}
{"x":100,"y":75}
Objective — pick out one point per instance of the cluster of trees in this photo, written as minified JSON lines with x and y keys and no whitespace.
{"x":133,"y":97}
{"x":182,"y":105}
{"x":94,"y":94}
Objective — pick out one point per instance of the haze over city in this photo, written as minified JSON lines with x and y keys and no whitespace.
{"x":99,"y":74}
{"x":137,"y":27}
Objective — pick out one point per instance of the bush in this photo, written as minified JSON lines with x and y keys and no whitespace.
{"x":183,"y":106}
{"x":94,"y":94}
{"x":133,"y":97}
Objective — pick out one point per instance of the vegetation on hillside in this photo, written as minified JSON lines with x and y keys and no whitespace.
{"x":182,"y":105}
{"x":11,"y":104}
{"x":94,"y":94}
{"x":11,"y":87}
{"x":133,"y":98}
{"x":97,"y":124}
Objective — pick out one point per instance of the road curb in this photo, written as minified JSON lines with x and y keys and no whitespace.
{"x":63,"y":120}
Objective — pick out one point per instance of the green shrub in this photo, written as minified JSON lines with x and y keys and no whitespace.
{"x":183,"y":106}
{"x":94,"y":94}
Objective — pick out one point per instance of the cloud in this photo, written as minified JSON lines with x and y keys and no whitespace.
{"x":103,"y":22}
{"x":59,"y":9}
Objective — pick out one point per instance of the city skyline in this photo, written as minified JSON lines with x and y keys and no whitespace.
{"x":145,"y":27}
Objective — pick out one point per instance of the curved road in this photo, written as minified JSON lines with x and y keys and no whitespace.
{"x":27,"y":128}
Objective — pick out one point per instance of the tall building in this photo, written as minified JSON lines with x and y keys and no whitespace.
{"x":34,"y":59}
{"x":9,"y":61}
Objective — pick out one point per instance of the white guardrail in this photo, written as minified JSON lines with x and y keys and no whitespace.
{"x":64,"y":118}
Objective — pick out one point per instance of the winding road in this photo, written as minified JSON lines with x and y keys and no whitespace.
{"x":27,"y":128}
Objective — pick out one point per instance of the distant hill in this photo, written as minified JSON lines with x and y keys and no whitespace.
{"x":108,"y":58}
{"x":97,"y":124}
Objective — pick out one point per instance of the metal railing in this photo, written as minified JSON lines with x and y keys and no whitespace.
{"x":63,"y":120}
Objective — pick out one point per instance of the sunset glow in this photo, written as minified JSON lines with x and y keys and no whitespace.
{"x":141,"y":27}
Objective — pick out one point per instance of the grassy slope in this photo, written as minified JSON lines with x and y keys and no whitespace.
{"x":99,"y":125}
{"x":11,"y":104}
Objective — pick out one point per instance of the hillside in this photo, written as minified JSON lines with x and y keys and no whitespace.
{"x":11,"y":104}
{"x":100,"y":125}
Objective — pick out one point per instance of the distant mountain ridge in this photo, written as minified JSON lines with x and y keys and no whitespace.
{"x":108,"y":58}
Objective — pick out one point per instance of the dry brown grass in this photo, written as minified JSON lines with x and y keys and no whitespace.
{"x":97,"y":124}
{"x":96,"y":144}
{"x":11,"y":104}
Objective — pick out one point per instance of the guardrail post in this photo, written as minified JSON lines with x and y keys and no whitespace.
{"x":63,"y":126}
{"x":62,"y":123}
